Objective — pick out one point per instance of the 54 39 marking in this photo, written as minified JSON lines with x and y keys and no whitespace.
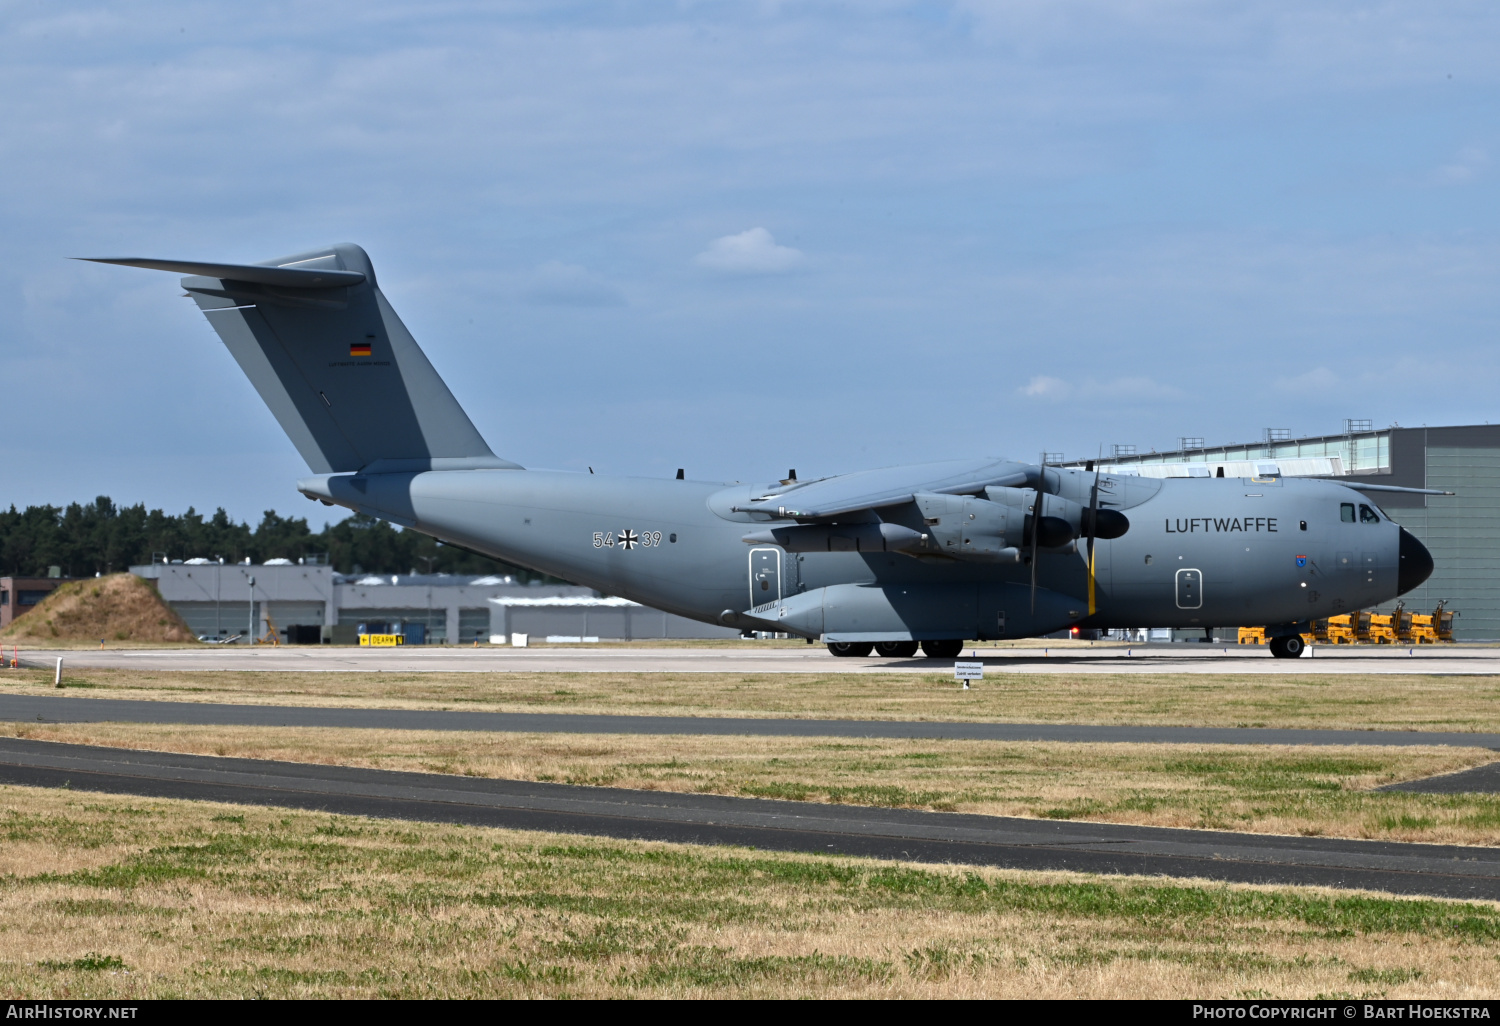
{"x":626,"y":539}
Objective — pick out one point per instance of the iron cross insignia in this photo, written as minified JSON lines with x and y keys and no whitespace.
{"x":627,"y":539}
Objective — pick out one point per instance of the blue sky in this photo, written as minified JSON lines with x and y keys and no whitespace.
{"x":744,"y":237}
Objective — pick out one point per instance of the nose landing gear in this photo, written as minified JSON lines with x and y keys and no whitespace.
{"x":1288,"y":646}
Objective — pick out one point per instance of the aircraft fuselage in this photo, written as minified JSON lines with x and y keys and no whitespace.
{"x":1198,"y":553}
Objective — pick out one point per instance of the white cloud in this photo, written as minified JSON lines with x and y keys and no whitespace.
{"x":1047,"y":388}
{"x":1316,"y":381}
{"x":749,"y":252}
{"x":1134,"y":389}
{"x":558,"y":284}
{"x":1466,"y":165}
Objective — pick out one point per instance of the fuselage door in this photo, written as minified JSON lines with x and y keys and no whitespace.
{"x":1189,"y":589}
{"x":765,"y":576}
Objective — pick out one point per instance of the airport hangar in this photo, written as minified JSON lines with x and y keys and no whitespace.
{"x":308,"y":604}
{"x":1462,"y":531}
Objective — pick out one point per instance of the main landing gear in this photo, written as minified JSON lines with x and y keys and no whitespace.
{"x":948,"y":648}
{"x":945,"y":649}
{"x":1288,"y":646}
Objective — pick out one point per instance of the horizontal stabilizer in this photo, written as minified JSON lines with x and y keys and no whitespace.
{"x":293,"y":277}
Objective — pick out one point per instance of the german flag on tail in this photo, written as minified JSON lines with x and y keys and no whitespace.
{"x":359,"y":349}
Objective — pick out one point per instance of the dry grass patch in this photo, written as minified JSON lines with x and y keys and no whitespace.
{"x":1376,"y":701}
{"x":190,"y":899}
{"x":1322,"y":791}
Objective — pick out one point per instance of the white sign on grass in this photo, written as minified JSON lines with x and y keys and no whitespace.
{"x":968,"y":671}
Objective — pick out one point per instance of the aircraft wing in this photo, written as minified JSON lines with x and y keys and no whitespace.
{"x":889,"y":486}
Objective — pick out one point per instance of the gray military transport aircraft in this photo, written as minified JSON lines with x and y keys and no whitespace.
{"x":925,"y":555}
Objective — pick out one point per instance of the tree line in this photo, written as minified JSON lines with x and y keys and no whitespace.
{"x":100,"y":537}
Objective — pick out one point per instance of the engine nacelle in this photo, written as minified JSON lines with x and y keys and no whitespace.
{"x":970,"y":528}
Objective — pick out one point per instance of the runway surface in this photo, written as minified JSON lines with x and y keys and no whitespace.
{"x":1439,"y":870}
{"x":1479,"y":779}
{"x":1163,"y":658}
{"x":60,"y":709}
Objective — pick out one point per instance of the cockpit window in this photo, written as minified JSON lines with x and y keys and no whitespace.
{"x":1368,"y":515}
{"x":1346,"y":512}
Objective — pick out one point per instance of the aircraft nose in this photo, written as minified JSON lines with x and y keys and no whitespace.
{"x":1415,"y":563}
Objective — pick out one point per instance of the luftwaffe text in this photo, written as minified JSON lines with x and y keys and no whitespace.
{"x":1221,"y":524}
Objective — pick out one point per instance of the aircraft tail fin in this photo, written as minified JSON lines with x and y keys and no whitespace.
{"x":329,"y":356}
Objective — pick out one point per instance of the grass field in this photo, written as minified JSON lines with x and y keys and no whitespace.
{"x":1324,"y":791}
{"x":109,"y":896}
{"x":1376,"y":701}
{"x":106,"y":896}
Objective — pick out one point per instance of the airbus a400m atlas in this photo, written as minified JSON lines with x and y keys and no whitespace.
{"x":927,"y":555}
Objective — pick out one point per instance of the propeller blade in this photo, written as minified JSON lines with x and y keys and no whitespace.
{"x":1036,"y":532}
{"x":1093,"y":525}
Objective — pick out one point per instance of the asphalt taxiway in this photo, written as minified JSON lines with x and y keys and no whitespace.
{"x":1072,"y":659}
{"x":66,"y":709}
{"x":1449,"y":871}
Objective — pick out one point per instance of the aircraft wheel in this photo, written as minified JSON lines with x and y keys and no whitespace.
{"x":850,"y":648}
{"x":1288,"y":647}
{"x":896,"y":649}
{"x":947,"y":648}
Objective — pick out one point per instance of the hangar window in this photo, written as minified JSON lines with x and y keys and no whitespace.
{"x":1346,"y":512}
{"x":1368,"y":515}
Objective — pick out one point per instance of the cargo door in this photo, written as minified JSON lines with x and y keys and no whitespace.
{"x":765,"y":576}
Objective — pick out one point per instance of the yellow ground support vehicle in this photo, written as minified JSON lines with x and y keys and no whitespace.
{"x":1442,"y":622}
{"x":1401,"y":622}
{"x":1359,"y":626}
{"x":1339,"y":629}
{"x":1381,"y":629}
{"x":1421,"y":631}
{"x":1429,"y":629}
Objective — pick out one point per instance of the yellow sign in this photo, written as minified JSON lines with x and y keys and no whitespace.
{"x":381,"y":640}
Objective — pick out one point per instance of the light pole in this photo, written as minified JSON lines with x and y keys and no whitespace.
{"x":250,"y":635}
